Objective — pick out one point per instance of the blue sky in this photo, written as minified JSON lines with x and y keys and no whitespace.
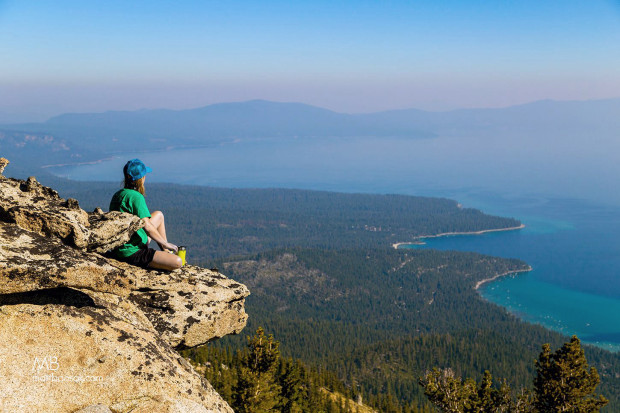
{"x":350,"y":56}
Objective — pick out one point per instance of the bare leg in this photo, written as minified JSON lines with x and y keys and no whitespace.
{"x":165,"y":261}
{"x":157,"y":219}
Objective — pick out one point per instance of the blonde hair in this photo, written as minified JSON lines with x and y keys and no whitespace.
{"x":137,"y":185}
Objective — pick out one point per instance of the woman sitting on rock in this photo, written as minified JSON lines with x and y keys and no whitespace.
{"x":131,"y":199}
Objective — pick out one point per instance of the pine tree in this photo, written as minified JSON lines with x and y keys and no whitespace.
{"x":489,"y":399}
{"x":564,"y":382}
{"x":294,"y":389}
{"x":256,"y":390}
{"x":452,"y":394}
{"x":446,"y":391}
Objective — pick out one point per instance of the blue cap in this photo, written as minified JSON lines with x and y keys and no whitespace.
{"x":136,"y":169}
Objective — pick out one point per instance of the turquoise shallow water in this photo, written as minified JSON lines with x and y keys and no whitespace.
{"x":574,"y":287}
{"x":572,"y":245}
{"x":568,"y":311}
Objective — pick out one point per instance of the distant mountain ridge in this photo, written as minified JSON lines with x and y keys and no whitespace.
{"x":543,"y":116}
{"x":125,"y":131}
{"x":257,"y":119}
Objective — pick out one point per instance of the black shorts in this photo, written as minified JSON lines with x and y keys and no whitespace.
{"x":142,"y":258}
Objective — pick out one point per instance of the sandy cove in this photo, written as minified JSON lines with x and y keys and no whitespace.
{"x":486,"y":280}
{"x":445,"y":234}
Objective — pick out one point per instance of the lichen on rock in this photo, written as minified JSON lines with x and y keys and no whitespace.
{"x":40,"y":209}
{"x":83,"y":332}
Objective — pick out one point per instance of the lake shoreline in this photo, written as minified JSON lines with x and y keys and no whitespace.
{"x":114,"y":155}
{"x":94,"y":162}
{"x":495,"y":277}
{"x":447,"y":234}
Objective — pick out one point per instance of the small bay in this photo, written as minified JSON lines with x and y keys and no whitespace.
{"x":573,"y":287}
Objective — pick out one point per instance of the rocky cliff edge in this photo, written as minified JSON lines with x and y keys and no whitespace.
{"x":82,"y":332}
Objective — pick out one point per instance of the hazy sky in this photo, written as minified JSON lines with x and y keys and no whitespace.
{"x":351,"y":56}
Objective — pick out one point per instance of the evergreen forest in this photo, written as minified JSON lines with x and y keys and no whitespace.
{"x":354,"y":319}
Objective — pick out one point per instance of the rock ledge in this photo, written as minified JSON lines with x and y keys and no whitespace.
{"x":82,"y":332}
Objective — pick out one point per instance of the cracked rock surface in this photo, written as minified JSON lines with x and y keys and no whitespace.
{"x":83,"y":332}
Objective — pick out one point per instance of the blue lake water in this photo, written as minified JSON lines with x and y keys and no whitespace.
{"x":574,"y":287}
{"x":570,"y":238}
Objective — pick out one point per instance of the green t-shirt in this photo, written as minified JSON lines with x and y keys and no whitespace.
{"x":132,"y":201}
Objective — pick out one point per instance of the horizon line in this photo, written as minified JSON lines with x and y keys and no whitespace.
{"x":313,"y":106}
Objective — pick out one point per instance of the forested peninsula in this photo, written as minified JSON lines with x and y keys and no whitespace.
{"x":220,"y":222}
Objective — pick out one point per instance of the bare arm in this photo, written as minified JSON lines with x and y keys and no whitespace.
{"x":152,"y":232}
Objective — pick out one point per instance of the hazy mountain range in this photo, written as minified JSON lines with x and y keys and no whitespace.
{"x":86,"y":136}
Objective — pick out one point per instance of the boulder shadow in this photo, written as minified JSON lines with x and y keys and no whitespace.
{"x":59,"y":295}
